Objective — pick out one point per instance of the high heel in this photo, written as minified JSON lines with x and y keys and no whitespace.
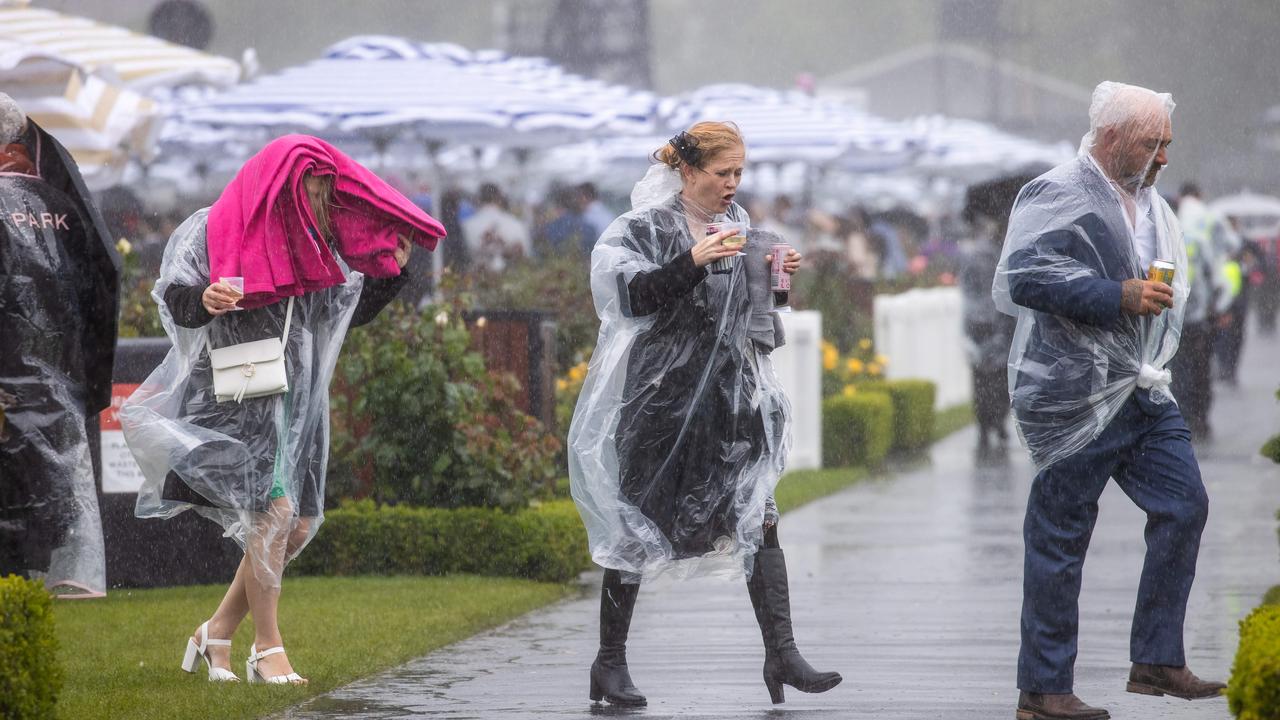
{"x":191,"y":660}
{"x":255,"y":676}
{"x":783,"y":663}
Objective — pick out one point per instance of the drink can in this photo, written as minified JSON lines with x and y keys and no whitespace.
{"x":779,"y":278}
{"x":1161,"y":271}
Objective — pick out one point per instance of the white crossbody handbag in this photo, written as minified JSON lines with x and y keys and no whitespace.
{"x":251,"y":369}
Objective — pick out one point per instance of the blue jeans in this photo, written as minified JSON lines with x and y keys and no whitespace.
{"x":1147,"y":449}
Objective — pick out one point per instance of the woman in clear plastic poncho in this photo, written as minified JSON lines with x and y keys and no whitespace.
{"x":681,"y":429}
{"x":1071,"y":371}
{"x":320,"y":243}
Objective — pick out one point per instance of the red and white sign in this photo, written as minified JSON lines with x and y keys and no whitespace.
{"x":120,"y":472}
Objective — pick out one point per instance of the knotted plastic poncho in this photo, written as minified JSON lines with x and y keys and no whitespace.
{"x":49,"y":521}
{"x":1073,"y":238}
{"x":681,"y":429}
{"x":233,"y":462}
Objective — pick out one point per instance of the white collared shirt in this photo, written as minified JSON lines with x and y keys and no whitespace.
{"x":1142,"y":230}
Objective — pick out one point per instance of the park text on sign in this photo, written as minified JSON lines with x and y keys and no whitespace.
{"x":120,"y":472}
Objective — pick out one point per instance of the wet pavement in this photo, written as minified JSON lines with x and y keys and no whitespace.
{"x":909,"y":585}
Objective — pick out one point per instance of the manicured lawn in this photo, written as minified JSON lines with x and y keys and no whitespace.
{"x":949,"y":420}
{"x":800,"y":487}
{"x":121,"y":655}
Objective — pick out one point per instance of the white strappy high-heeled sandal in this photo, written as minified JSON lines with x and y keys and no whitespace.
{"x":195,"y":652}
{"x":251,"y":669}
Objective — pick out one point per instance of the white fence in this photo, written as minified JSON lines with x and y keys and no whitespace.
{"x":921,"y":332}
{"x":799,"y":367}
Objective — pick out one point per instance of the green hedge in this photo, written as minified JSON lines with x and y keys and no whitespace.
{"x":1254,"y":690}
{"x":546,"y":543}
{"x":30,"y":677}
{"x":856,"y":429}
{"x":913,"y":415}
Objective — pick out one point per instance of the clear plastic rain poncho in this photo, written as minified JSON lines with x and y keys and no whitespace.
{"x":1077,"y":233}
{"x":49,"y":521}
{"x":682,"y":429}
{"x":257,"y":467}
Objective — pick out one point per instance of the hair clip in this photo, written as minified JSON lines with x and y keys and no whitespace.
{"x":686,"y":147}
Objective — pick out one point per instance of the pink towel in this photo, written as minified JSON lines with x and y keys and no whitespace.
{"x":261,"y":227}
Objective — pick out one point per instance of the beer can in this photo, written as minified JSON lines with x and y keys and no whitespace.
{"x":779,"y":278}
{"x":1161,"y":271}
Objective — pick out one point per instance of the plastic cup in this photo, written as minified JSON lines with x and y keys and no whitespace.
{"x":725,"y":264}
{"x":236,"y":284}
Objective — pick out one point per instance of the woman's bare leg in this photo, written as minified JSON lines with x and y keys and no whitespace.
{"x":266,"y":553}
{"x":231,"y":611}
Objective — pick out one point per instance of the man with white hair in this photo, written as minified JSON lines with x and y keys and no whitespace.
{"x":1090,"y":394}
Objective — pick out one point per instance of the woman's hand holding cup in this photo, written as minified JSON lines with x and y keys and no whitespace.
{"x":712,"y":247}
{"x":220,"y":298}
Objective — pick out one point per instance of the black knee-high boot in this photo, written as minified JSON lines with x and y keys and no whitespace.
{"x":771,"y":598}
{"x":609,"y":677}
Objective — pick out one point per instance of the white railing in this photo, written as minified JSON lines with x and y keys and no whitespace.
{"x":921,"y":332}
{"x":799,"y":367}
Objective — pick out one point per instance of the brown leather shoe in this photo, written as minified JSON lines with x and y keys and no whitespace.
{"x":1175,"y":681}
{"x":1057,"y":706}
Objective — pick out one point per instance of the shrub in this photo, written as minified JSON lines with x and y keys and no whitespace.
{"x":857,"y":429}
{"x":861,"y":364}
{"x":1253,"y":692}
{"x":30,"y":677}
{"x":547,"y":543}
{"x":913,"y":415}
{"x":418,"y":417}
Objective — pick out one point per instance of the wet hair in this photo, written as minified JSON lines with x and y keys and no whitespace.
{"x":321,"y":209}
{"x":699,"y":145}
{"x":1189,"y":188}
{"x":491,"y":194}
{"x":13,"y":122}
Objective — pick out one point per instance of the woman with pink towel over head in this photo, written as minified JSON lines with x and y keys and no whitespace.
{"x":304,"y":242}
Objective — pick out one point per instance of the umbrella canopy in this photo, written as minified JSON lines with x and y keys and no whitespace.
{"x":137,"y":62}
{"x":790,"y":126}
{"x":89,"y":84}
{"x":1247,"y":204}
{"x":387,"y":88}
{"x":972,"y":151}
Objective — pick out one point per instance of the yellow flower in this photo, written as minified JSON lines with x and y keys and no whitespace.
{"x":562,"y":384}
{"x":830,"y":356}
{"x":854,"y":365}
{"x":849,"y":391}
{"x":873,"y":369}
{"x":577,"y":373}
{"x":864,"y":344}
{"x":882,"y":360}
{"x":123,"y":246}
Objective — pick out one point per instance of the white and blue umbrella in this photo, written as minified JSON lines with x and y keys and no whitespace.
{"x":972,"y":151}
{"x":386,"y":88}
{"x":790,"y":126}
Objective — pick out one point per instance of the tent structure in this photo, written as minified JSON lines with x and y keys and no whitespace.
{"x":95,"y":86}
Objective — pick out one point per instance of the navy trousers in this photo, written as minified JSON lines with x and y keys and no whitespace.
{"x":1147,"y":449}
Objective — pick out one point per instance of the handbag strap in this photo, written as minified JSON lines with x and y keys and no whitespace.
{"x":284,"y":336}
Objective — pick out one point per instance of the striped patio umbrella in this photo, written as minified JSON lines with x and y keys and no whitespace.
{"x":90,"y":84}
{"x":973,"y":151}
{"x":391,"y":88}
{"x":790,"y":126}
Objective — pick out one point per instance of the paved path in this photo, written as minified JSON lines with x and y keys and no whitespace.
{"x":910,"y":586}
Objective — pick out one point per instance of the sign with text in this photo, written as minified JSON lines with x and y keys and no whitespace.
{"x":120,"y":472}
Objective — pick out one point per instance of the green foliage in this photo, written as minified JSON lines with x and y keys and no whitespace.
{"x":414,"y":408}
{"x":913,"y":416}
{"x":139,"y":316}
{"x":559,"y":283}
{"x":857,"y":429}
{"x":30,"y":677}
{"x":830,"y":285}
{"x":1253,"y":692}
{"x":362,"y":538}
{"x":1272,"y":596}
{"x":1271,"y":449}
